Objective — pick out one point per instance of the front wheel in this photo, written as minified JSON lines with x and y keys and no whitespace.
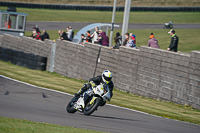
{"x":70,"y":106}
{"x":90,"y":108}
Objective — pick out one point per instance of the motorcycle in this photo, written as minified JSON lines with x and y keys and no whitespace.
{"x":168,"y":25}
{"x":90,"y":100}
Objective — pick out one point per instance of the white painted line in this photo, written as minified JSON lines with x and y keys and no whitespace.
{"x":35,"y":86}
{"x":106,"y":104}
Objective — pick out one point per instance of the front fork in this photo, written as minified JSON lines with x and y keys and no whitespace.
{"x":93,"y":99}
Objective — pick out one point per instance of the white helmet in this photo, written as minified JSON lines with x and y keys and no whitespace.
{"x":107,"y":76}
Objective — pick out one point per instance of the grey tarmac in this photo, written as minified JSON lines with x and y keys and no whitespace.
{"x":22,"y":101}
{"x":79,"y":25}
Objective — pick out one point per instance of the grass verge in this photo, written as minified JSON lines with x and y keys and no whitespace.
{"x":10,"y":125}
{"x":106,"y":16}
{"x":69,"y":85}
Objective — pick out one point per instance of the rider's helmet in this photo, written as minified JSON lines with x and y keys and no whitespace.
{"x":107,"y":76}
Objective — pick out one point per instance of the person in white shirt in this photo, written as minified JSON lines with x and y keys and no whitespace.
{"x":95,"y":35}
{"x":70,"y":33}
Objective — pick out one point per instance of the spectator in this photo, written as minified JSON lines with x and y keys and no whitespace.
{"x":117,"y":42}
{"x":152,"y":42}
{"x":8,"y":24}
{"x":45,"y":35}
{"x":100,"y":31}
{"x":36,"y":35}
{"x":133,"y":37}
{"x":82,"y":39}
{"x":99,"y":41}
{"x":37,"y":29}
{"x":99,"y":38}
{"x":119,"y":38}
{"x":70,"y":33}
{"x":34,"y":29}
{"x":95,"y":35}
{"x":103,"y":39}
{"x":88,"y":37}
{"x":63,"y":35}
{"x":174,"y":41}
{"x":126,"y":39}
{"x":130,"y":43}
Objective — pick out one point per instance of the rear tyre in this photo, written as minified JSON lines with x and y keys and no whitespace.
{"x":70,"y":106}
{"x":90,"y":108}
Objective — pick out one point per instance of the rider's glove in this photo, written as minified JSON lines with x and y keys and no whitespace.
{"x":92,"y":83}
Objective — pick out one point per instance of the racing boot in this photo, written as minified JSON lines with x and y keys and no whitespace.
{"x":80,"y":92}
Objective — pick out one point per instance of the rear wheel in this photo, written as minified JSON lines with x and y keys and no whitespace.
{"x":70,"y":106}
{"x":90,"y":108}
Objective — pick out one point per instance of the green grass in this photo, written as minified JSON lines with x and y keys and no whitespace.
{"x":188,"y":38}
{"x":10,"y":125}
{"x":69,"y":85}
{"x":106,"y":16}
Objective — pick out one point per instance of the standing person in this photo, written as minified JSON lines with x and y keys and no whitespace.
{"x":33,"y":33}
{"x":8,"y":24}
{"x":119,"y":38}
{"x":36,"y":35}
{"x":130,"y":43}
{"x":83,"y":38}
{"x":37,"y":29}
{"x":99,"y":38}
{"x":126,"y":39}
{"x":174,"y":41}
{"x":45,"y":35}
{"x":95,"y":35}
{"x":152,"y":42}
{"x":88,"y":37}
{"x":133,"y":37}
{"x":117,"y":43}
{"x":63,"y":35}
{"x":70,"y":33}
{"x":103,"y":39}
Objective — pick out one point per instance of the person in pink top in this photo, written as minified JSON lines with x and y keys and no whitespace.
{"x":152,"y":42}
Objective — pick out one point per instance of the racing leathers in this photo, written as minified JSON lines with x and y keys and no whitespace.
{"x":174,"y":43}
{"x":96,"y":80}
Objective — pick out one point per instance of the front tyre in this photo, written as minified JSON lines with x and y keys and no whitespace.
{"x":70,"y":106}
{"x":90,"y":108}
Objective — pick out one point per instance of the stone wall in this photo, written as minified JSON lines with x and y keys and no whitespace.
{"x":1,"y":36}
{"x":148,"y":72}
{"x":74,"y":60}
{"x":193,"y":88}
{"x":27,"y":45}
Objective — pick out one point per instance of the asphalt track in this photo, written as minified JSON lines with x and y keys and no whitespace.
{"x":79,"y":25}
{"x":22,"y":101}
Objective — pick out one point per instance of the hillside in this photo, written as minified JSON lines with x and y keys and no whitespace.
{"x":137,"y":3}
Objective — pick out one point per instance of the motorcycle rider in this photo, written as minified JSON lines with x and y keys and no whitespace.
{"x":105,"y":78}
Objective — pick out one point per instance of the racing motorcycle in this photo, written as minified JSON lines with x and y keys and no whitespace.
{"x":168,"y":25}
{"x":90,"y":100}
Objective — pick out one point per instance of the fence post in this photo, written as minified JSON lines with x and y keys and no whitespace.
{"x":126,"y":18}
{"x":53,"y":51}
